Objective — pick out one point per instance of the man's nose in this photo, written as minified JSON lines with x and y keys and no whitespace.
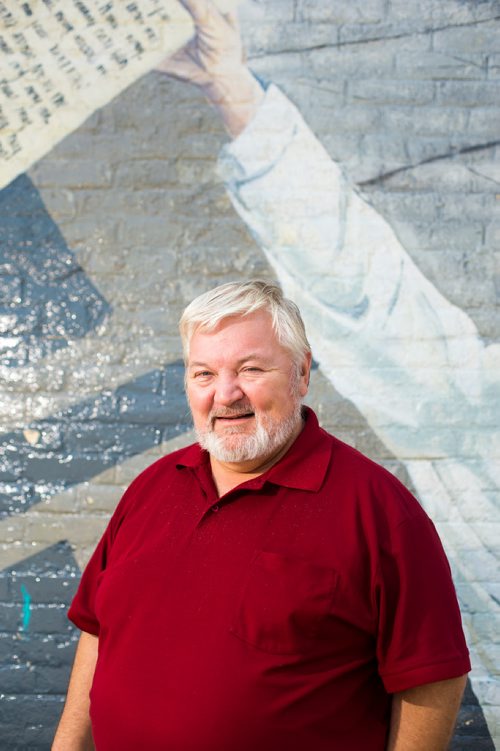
{"x":228,"y":390}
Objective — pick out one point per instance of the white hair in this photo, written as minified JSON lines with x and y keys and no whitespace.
{"x":240,"y":299}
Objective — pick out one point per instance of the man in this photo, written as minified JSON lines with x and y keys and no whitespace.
{"x":268,"y":587}
{"x":413,"y":364}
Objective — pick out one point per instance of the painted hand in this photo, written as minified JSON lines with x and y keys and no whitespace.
{"x":214,"y":54}
{"x":214,"y":61}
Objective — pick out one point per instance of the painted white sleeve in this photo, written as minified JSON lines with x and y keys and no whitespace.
{"x":382,"y":333}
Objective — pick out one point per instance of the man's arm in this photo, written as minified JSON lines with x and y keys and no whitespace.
{"x":74,"y":732}
{"x":423,"y":718}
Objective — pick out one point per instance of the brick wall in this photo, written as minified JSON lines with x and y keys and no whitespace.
{"x":105,"y":240}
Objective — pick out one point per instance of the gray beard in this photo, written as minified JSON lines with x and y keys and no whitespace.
{"x":265,"y":441}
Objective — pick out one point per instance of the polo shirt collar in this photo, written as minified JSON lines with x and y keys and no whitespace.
{"x":303,"y":467}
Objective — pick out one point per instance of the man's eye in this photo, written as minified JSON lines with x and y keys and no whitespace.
{"x":253,"y":370}
{"x":202,"y":374}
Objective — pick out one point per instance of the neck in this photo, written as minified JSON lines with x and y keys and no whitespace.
{"x":228,"y":475}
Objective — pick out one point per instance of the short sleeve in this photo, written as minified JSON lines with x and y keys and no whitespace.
{"x":420,"y":638}
{"x":82,"y":609}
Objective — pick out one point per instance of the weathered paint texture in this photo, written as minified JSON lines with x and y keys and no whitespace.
{"x":46,"y":297}
{"x":106,"y":238}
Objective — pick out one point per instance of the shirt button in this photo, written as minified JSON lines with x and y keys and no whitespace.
{"x":215,"y":508}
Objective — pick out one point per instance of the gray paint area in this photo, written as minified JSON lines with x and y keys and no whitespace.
{"x":130,"y":221}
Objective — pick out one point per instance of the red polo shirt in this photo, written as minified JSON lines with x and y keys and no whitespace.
{"x":278,"y":617}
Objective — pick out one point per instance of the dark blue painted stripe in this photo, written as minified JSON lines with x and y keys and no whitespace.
{"x":78,"y":443}
{"x":45,"y":297}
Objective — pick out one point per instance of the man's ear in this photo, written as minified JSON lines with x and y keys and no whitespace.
{"x":305,"y":373}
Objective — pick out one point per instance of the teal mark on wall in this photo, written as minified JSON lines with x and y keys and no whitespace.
{"x":26,"y":608}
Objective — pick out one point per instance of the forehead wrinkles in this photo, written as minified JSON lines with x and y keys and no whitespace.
{"x":253,"y":332}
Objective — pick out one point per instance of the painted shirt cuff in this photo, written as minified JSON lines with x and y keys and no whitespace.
{"x":259,"y":147}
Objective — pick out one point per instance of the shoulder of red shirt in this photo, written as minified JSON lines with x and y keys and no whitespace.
{"x":304,"y":466}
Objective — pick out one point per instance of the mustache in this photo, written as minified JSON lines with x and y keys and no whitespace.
{"x":231,"y":412}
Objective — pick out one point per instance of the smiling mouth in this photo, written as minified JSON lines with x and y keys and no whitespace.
{"x":231,"y":418}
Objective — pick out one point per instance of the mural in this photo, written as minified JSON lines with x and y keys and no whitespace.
{"x":63,"y":60}
{"x":366,"y":182}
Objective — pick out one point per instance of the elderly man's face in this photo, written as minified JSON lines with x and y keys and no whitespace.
{"x":244,"y":389}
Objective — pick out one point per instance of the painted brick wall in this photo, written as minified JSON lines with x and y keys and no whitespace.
{"x":105,"y":240}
